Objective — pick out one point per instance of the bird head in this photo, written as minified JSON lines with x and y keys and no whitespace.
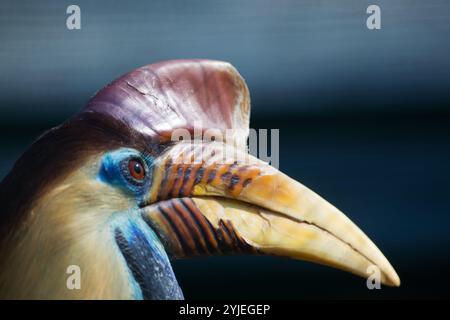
{"x":155,"y":168}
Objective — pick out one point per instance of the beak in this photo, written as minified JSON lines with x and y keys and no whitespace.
{"x":211,"y":198}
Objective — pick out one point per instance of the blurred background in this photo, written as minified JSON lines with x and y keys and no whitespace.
{"x":363,"y":114}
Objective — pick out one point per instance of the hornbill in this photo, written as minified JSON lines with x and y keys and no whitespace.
{"x":111,"y":191}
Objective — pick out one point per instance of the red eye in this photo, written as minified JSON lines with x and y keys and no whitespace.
{"x":136,"y":169}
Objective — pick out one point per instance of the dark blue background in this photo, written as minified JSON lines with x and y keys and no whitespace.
{"x":363,"y":115}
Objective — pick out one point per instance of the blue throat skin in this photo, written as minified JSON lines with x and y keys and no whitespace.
{"x":149,"y":267}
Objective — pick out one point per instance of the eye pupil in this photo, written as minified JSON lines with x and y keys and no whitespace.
{"x":136,"y":169}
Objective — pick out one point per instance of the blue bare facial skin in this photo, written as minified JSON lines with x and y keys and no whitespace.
{"x":115,"y":170}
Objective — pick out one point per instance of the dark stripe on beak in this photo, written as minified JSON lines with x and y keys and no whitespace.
{"x":167,"y":217}
{"x":182,"y":227}
{"x":203,"y":225}
{"x":195,"y":234}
